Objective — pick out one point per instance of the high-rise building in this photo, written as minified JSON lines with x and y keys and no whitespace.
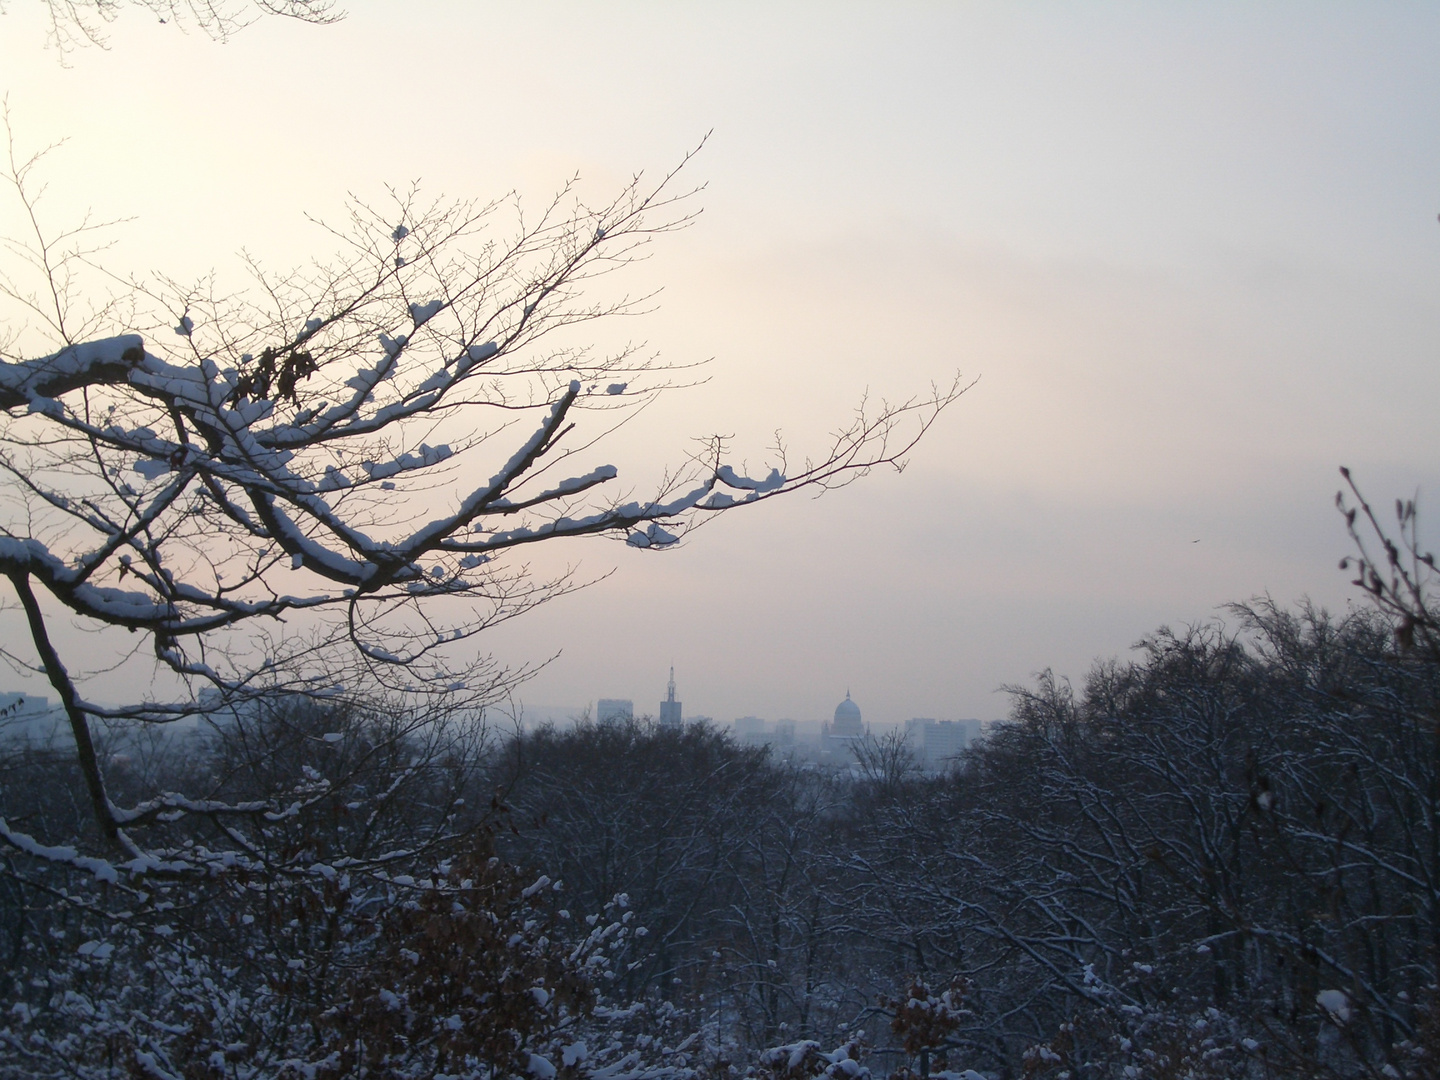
{"x":938,"y":742}
{"x":670,"y":708}
{"x":614,"y":709}
{"x":749,"y":729}
{"x":30,"y":717}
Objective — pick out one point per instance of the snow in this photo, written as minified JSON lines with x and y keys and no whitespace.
{"x":427,"y":455}
{"x":45,"y":407}
{"x":1336,"y":1003}
{"x":542,"y":1068}
{"x":151,"y":468}
{"x":104,"y":360}
{"x":334,"y":480}
{"x":478,"y":353}
{"x":179,"y":802}
{"x":731,"y":478}
{"x":572,"y":486}
{"x":250,"y":412}
{"x":483,"y":497}
{"x":653,"y":536}
{"x":102,"y":870}
{"x":423,"y":313}
{"x":306,"y":552}
{"x":616,"y":388}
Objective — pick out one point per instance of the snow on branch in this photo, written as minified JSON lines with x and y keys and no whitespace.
{"x":109,"y":360}
{"x":62,"y":853}
{"x":281,"y":498}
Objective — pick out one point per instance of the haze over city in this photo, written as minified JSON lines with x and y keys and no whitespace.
{"x":366,"y":376}
{"x":1189,"y":252}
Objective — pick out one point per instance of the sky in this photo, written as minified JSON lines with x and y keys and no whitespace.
{"x":1190,"y":252}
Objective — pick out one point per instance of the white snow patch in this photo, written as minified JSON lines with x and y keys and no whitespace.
{"x":423,"y":313}
{"x":151,"y":468}
{"x":1336,"y":1003}
{"x":98,"y":950}
{"x":731,"y":478}
{"x":574,"y":1054}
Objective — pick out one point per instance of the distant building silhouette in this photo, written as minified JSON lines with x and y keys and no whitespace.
{"x":838,"y":737}
{"x":938,"y":742}
{"x":847,"y":720}
{"x":750,"y":731}
{"x":614,"y":709}
{"x":670,"y":708}
{"x":784,"y":735}
{"x":28,"y":717}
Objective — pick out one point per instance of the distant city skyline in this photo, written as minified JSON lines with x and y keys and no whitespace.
{"x":846,"y":712}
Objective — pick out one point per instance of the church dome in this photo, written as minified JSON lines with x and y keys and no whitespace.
{"x":847,"y":717}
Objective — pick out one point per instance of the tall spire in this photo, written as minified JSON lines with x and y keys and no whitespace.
{"x":670,"y":708}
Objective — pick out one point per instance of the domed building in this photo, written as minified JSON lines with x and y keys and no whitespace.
{"x":847,"y":723}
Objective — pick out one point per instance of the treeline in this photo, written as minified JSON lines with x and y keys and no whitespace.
{"x":1217,"y":859}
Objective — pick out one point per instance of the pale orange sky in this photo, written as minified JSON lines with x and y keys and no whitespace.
{"x":1192,"y":252}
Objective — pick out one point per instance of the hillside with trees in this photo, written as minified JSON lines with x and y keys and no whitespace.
{"x":1217,"y":858}
{"x":255,"y":540}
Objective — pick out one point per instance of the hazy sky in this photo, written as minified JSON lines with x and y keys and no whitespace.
{"x":1190,"y":250}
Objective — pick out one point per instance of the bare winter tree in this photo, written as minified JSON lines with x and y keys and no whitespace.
{"x":82,"y":22}
{"x":1400,"y":579}
{"x":321,"y":489}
